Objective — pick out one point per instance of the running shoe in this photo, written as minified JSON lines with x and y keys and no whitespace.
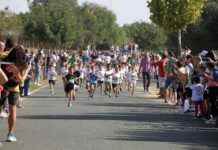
{"x":4,"y":114}
{"x":109,"y":94}
{"x":105,"y":92}
{"x":70,"y":104}
{"x":89,"y":97}
{"x":11,"y":138}
{"x":19,"y":105}
{"x":211,"y":121}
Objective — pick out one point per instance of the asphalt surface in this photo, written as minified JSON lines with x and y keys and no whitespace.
{"x":139,"y":122}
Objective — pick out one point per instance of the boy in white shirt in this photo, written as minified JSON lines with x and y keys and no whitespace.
{"x":133,"y":78}
{"x":116,"y":81}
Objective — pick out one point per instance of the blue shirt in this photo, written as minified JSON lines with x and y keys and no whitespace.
{"x":93,"y":77}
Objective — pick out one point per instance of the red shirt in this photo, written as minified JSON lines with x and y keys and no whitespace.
{"x":161,"y":67}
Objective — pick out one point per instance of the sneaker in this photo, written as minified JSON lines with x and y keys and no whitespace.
{"x":89,"y":97}
{"x":211,"y":121}
{"x":11,"y":138}
{"x":4,"y":114}
{"x":52,"y":92}
{"x":110,"y":95}
{"x":39,"y":84}
{"x":20,"y":106}
{"x":105,"y":92}
{"x":70,"y":104}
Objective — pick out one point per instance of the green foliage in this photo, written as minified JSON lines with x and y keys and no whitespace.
{"x":147,"y":36}
{"x":64,"y":23}
{"x":10,"y":23}
{"x":175,"y":15}
{"x":204,"y":35}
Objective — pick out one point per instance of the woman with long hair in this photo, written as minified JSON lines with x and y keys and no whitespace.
{"x":16,"y":73}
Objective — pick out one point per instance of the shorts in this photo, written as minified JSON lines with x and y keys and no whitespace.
{"x":69,"y":87}
{"x":100,"y":82}
{"x":114,"y":85}
{"x":168,"y":82}
{"x":94,"y":85}
{"x":81,"y":79}
{"x":13,"y":98}
{"x":52,"y":82}
{"x":161,"y":81}
{"x":107,"y":83}
{"x":188,"y":92}
{"x":133,"y":83}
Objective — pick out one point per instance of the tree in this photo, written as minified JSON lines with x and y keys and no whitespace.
{"x":204,"y":34}
{"x":175,"y":15}
{"x":148,"y":36}
{"x":52,"y":22}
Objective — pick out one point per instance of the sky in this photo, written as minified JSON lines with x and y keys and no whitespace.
{"x":127,"y":11}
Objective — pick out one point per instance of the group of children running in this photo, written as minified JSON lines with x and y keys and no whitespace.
{"x":108,"y":77}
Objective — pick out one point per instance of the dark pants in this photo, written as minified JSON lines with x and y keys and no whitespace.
{"x":25,"y":88}
{"x":146,"y":76}
{"x":201,"y":105}
{"x":212,"y":98}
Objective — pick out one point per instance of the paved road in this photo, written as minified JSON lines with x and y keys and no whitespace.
{"x":138,"y":122}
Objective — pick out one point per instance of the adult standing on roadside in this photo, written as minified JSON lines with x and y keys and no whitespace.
{"x":146,"y":66}
{"x":16,"y":74}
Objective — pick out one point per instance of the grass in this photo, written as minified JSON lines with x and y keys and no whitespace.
{"x":43,"y":83}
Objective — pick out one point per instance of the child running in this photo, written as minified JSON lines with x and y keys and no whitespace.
{"x":69,"y":88}
{"x":100,"y":74}
{"x":133,"y":79}
{"x":116,"y":81}
{"x":64,"y":71}
{"x":93,"y":82}
{"x":108,"y":80}
{"x":52,"y":76}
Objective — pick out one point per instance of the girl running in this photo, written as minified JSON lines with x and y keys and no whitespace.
{"x":133,"y":78}
{"x":69,"y":88}
{"x":52,"y":76}
{"x":100,"y":74}
{"x":108,"y":80}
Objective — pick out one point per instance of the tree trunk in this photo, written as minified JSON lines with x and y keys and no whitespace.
{"x":180,"y":42}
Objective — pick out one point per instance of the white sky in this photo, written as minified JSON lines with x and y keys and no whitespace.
{"x":127,"y":11}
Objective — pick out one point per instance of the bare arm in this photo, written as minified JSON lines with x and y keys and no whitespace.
{"x":3,"y":76}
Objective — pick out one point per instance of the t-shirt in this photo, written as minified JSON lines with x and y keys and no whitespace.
{"x":82,"y":72}
{"x":109,"y":76}
{"x":85,"y":59}
{"x":169,"y":65}
{"x":74,"y":60}
{"x":116,"y":78}
{"x":52,"y":75}
{"x":189,"y":71}
{"x":101,"y":74}
{"x":197,"y":92}
{"x":70,"y":78}
{"x":133,"y":76}
{"x":161,"y":67}
{"x":64,"y":71}
{"x":93,"y":77}
{"x":123,"y":58}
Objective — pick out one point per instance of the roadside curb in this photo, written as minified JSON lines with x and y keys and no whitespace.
{"x":36,"y":90}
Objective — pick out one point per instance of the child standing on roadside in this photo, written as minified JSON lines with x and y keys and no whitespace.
{"x":197,"y":96}
{"x":52,"y":76}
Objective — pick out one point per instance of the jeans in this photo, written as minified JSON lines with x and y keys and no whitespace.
{"x":146,"y":76}
{"x":37,"y":77}
{"x":25,"y":88}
